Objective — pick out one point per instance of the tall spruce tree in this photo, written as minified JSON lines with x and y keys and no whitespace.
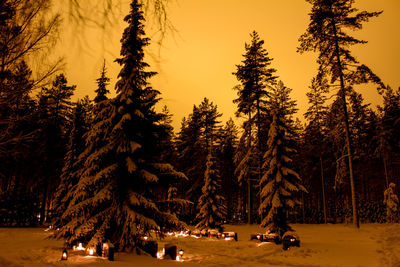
{"x":327,"y":34}
{"x":115,"y":198}
{"x":280,"y":182}
{"x":212,"y":210}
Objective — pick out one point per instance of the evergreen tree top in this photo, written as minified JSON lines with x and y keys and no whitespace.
{"x":327,"y":34}
{"x":254,"y":74}
{"x":132,"y":74}
{"x":102,"y":83}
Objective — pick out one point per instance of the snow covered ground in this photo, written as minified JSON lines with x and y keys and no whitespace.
{"x":321,"y":245}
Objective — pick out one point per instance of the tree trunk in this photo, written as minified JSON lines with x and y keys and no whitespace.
{"x":323,"y":189}
{"x":386,"y":174}
{"x":249,"y":221}
{"x":342,"y":93}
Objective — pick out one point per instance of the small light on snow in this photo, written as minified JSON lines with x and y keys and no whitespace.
{"x":292,"y":240}
{"x":159,"y":255}
{"x":181,"y":253}
{"x":145,"y":237}
{"x":91,"y":252}
{"x":223,"y":235}
{"x":178,"y":258}
{"x":64,"y":255}
{"x":258,"y":236}
{"x":80,"y":247}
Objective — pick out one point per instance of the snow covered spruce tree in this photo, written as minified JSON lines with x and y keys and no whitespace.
{"x":279,"y":182}
{"x":70,"y":171}
{"x":392,"y":203}
{"x":102,"y":83}
{"x":115,"y":197}
{"x":211,"y":203}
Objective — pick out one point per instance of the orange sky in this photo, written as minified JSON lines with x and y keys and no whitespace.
{"x":198,"y":61}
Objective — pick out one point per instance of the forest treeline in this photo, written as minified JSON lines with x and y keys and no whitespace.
{"x":117,"y":165}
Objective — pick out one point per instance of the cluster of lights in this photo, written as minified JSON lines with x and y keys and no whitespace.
{"x":79,"y":247}
{"x":160,"y":255}
{"x":179,"y":234}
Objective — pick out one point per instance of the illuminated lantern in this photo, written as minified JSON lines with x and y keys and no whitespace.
{"x":64,"y":255}
{"x":91,"y":251}
{"x":181,"y":253}
{"x":79,"y":246}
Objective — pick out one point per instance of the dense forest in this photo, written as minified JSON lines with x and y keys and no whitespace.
{"x":114,"y":167}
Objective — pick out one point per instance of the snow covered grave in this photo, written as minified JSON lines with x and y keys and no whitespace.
{"x":321,"y":245}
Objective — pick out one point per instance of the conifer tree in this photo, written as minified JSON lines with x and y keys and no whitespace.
{"x":226,"y":157}
{"x":254,"y":75}
{"x":72,"y":164}
{"x":55,"y":112}
{"x":212,"y":210}
{"x":167,"y":143}
{"x":197,"y":136}
{"x":392,"y":203}
{"x":209,"y":122}
{"x":389,"y":130}
{"x":327,"y":34}
{"x":115,"y":198}
{"x":102,"y":83}
{"x":280,"y":182}
{"x":315,"y":130}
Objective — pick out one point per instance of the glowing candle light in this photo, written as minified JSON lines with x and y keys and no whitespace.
{"x":64,"y":255}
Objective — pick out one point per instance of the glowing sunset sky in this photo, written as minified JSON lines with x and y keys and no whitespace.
{"x":198,"y":61}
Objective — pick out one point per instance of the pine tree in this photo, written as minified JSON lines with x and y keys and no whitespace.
{"x":115,"y":198}
{"x":212,"y":210}
{"x":254,"y":75}
{"x":392,"y":203}
{"x":280,"y":182}
{"x":327,"y":34}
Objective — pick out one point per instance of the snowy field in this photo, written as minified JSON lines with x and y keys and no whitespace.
{"x":321,"y":245}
